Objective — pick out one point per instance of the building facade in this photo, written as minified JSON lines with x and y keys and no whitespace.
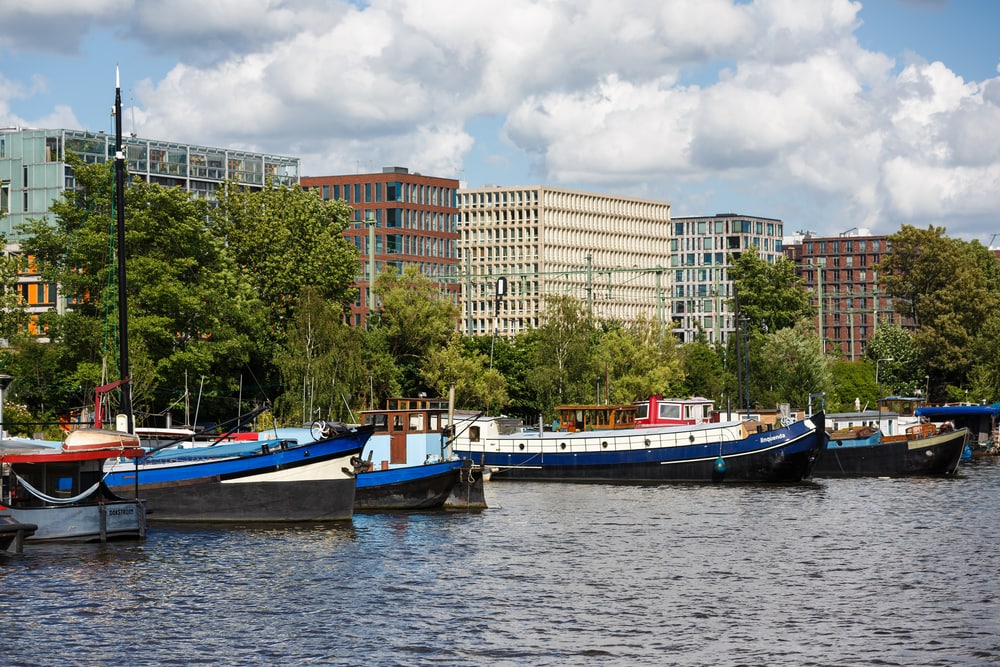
{"x":34,"y":172}
{"x":411,"y":220}
{"x":700,"y":253}
{"x":840,"y":273}
{"x":520,"y":244}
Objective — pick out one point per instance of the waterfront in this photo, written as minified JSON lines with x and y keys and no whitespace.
{"x":866,"y":571}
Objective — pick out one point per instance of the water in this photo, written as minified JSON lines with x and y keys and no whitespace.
{"x":840,"y":572}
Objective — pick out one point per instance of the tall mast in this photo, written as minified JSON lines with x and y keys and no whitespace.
{"x":126,"y":400}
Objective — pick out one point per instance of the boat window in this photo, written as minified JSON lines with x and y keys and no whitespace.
{"x":473,"y":434}
{"x":417,"y":421}
{"x":381,"y":422}
{"x":642,"y":410}
{"x":397,"y":422}
{"x":670,"y":411}
{"x":434,"y":422}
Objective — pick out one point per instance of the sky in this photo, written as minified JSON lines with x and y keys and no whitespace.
{"x":829,"y":115}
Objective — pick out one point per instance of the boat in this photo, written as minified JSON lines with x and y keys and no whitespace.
{"x":411,"y":442}
{"x":866,"y":444}
{"x":60,"y":488}
{"x":983,"y":422}
{"x":13,"y":533}
{"x":62,"y":491}
{"x":249,"y":479}
{"x":695,"y":446}
{"x":415,"y":487}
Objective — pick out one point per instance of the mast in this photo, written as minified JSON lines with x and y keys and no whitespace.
{"x":126,"y":400}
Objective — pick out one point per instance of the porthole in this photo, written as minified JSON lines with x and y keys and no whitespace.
{"x":520,"y":446}
{"x":604,"y":444}
{"x":562,"y":445}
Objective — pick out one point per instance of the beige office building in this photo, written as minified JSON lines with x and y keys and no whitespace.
{"x":519,"y":244}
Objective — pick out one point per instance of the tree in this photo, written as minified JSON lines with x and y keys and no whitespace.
{"x":285,"y":239}
{"x":893,"y":352}
{"x":189,"y":313}
{"x":639,"y":359}
{"x":476,"y":385}
{"x":794,"y":366}
{"x":320,"y":364}
{"x":769,"y":296}
{"x":414,"y":319}
{"x":704,"y":375}
{"x":946,"y":287}
{"x":562,"y":367}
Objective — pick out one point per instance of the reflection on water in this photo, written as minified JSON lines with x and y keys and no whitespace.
{"x":869,"y":571}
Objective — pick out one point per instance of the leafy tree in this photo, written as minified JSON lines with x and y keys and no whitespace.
{"x":794,"y":365}
{"x":852,"y":381}
{"x":639,"y":359}
{"x":320,"y":364}
{"x":188,"y":310}
{"x":413,"y":320}
{"x":286,"y":239}
{"x":946,"y":287}
{"x":770,"y":296}
{"x":476,"y":385}
{"x":562,"y":367}
{"x":900,"y":364}
{"x":702,"y":366}
{"x":511,"y":359}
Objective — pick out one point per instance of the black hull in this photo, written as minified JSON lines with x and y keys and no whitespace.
{"x":418,"y":494}
{"x":934,"y":456}
{"x":470,"y":492}
{"x":211,"y":500}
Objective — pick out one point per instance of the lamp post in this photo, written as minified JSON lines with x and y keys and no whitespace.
{"x":5,"y":381}
{"x":370,"y":224}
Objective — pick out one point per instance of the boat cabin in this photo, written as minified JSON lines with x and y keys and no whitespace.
{"x":575,"y":418}
{"x":408,"y":431}
{"x":659,"y":411}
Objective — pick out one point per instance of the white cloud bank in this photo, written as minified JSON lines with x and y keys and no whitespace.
{"x":643,"y":96}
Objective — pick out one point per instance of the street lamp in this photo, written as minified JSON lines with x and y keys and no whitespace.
{"x":5,"y":381}
{"x":370,"y":224}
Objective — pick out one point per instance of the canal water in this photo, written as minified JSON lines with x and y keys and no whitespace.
{"x":836,"y":572}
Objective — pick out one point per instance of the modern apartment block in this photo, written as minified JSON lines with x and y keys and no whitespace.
{"x":521,"y":244}
{"x":33,"y":172}
{"x":700,"y":252}
{"x":840,"y":272}
{"x":411,"y":220}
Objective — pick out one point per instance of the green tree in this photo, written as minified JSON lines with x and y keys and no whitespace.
{"x":476,"y":385}
{"x":188,"y":310}
{"x":703,"y":371}
{"x":769,"y":296}
{"x":320,"y":364}
{"x":794,"y":366}
{"x":945,"y":286}
{"x":899,"y":360}
{"x":286,"y":239}
{"x":562,"y":364}
{"x":414,"y":319}
{"x":639,"y":359}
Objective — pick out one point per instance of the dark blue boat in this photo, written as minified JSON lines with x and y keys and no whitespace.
{"x":720,"y":452}
{"x":259,"y":480}
{"x":416,"y":487}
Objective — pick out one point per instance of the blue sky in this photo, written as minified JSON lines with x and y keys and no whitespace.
{"x":827,"y":114}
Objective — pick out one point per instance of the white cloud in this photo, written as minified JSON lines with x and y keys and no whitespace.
{"x":770,"y":96}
